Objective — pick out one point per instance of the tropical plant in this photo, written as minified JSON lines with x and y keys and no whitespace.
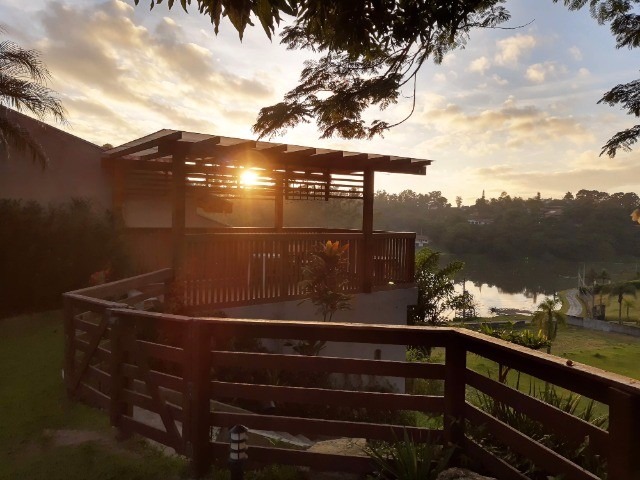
{"x":628,"y":303}
{"x":547,"y":317}
{"x":23,"y":79}
{"x":570,"y":403}
{"x":324,"y":279}
{"x":408,"y":460}
{"x":436,"y":292}
{"x":619,"y":290}
{"x":525,"y":338}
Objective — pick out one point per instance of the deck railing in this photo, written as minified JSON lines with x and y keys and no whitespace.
{"x":174,"y":368}
{"x":242,"y":266}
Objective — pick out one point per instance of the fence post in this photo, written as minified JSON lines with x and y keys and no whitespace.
{"x":454,"y":392}
{"x":623,"y":462}
{"x":198,"y":417}
{"x":69,"y":346}
{"x":117,"y":406}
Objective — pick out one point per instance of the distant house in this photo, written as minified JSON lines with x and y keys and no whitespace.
{"x":422,"y":241}
{"x":479,"y":221}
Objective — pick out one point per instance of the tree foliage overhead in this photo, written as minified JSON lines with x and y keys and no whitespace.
{"x":624,"y":23}
{"x":371,"y":50}
{"x":23,"y":79}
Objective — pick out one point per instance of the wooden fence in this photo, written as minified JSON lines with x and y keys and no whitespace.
{"x":233,"y":267}
{"x":172,"y":368}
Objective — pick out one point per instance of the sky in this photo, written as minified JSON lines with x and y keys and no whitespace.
{"x":515,"y":110}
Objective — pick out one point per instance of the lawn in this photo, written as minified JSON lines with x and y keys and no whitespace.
{"x":609,"y":351}
{"x":42,"y":434}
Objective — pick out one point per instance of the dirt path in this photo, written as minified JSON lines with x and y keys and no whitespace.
{"x":575,"y":307}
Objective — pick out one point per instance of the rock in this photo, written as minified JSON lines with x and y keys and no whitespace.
{"x":461,"y":474}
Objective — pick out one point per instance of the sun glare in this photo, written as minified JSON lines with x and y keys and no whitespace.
{"x":249,"y":178}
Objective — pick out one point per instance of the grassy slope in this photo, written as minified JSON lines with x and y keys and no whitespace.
{"x":33,"y":405}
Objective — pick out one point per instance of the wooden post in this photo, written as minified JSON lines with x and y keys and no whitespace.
{"x":69,"y":346}
{"x":623,"y":462}
{"x":411,"y":258}
{"x":117,"y":406}
{"x":196,"y":431}
{"x":454,"y":393}
{"x":279,"y":202}
{"x":178,"y":217}
{"x":366,"y":260}
{"x":118,"y":197}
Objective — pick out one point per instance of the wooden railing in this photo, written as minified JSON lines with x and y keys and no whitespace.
{"x":128,"y":361}
{"x":228,"y":267}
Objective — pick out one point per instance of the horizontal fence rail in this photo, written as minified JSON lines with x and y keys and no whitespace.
{"x":185,"y":381}
{"x":241,"y":266}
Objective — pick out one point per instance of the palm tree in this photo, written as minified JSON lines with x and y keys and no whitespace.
{"x":620,"y":290}
{"x":547,"y":318}
{"x":628,"y":304}
{"x":23,"y":79}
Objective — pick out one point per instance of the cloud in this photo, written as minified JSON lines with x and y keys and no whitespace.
{"x":540,"y":72}
{"x":512,"y":48}
{"x":105,"y":61}
{"x":575,"y":53}
{"x":605,"y":175}
{"x":480,"y":65}
{"x":508,"y":127}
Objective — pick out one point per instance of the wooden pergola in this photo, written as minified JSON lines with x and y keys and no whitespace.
{"x":175,"y":162}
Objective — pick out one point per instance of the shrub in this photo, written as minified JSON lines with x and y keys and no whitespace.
{"x":45,"y":251}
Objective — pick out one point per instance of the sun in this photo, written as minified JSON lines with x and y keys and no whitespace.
{"x":249,"y":178}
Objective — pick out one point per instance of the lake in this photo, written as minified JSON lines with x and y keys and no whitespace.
{"x":523,"y":284}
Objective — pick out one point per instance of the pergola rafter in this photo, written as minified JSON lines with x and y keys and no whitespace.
{"x":179,"y":163}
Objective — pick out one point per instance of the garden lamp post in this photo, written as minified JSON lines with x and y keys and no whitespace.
{"x":238,"y":451}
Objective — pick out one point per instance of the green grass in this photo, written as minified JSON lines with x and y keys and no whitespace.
{"x":608,"y":351}
{"x":33,"y":406}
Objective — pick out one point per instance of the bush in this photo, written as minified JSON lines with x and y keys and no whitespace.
{"x":45,"y":251}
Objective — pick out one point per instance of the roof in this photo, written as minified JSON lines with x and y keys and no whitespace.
{"x":198,"y":147}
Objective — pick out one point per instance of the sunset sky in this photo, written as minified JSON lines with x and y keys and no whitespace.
{"x":515,"y":111}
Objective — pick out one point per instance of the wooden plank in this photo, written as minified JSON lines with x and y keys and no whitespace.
{"x":156,"y":350}
{"x":197,"y":399}
{"x":387,"y":368}
{"x":541,"y":456}
{"x":454,"y":394}
{"x":159,"y":318}
{"x":100,"y":376}
{"x":69,"y":345}
{"x":147,"y":403}
{"x":144,"y":143}
{"x":82,"y":303}
{"x":92,"y":396}
{"x":366,"y":258}
{"x":141,"y":355}
{"x":496,"y":466}
{"x":85,"y":326}
{"x":313,"y":460}
{"x":623,"y":460}
{"x":333,"y":331}
{"x":165,"y":380}
{"x":322,"y":396}
{"x":563,"y":424}
{"x":89,"y":351}
{"x":130,"y":425}
{"x":588,"y":381}
{"x":331,"y":428}
{"x":121,"y":287}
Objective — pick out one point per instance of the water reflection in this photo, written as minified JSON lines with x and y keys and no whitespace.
{"x":523,"y":284}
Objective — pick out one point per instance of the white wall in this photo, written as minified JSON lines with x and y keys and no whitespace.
{"x":386,"y":307}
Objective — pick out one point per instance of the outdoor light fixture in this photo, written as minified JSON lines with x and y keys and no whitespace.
{"x":238,"y":451}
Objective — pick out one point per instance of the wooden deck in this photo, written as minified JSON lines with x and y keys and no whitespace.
{"x":241,"y":266}
{"x":118,"y":357}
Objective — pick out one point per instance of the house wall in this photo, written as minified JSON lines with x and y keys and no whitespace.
{"x":74,"y":169}
{"x":154,"y":211}
{"x":378,"y":308}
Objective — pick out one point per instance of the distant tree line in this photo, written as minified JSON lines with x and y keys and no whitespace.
{"x":590,"y":224}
